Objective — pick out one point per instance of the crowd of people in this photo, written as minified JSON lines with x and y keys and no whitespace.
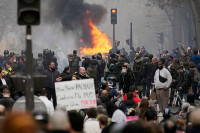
{"x":124,"y":87}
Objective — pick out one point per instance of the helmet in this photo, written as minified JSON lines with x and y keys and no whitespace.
{"x":39,"y":54}
{"x":23,"y":52}
{"x":6,"y":52}
{"x":11,"y":54}
{"x":74,"y":52}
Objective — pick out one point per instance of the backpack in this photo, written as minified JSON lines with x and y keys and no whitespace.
{"x":138,"y":65}
{"x":196,"y":75}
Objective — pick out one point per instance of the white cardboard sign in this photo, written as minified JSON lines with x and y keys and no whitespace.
{"x":76,"y":94}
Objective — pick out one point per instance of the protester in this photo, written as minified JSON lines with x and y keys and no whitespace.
{"x":162,"y":82}
{"x":73,"y":64}
{"x":42,"y":120}
{"x":66,"y":74}
{"x":76,"y":122}
{"x":58,"y":122}
{"x":91,"y":125}
{"x":52,"y":77}
{"x":126,"y":80}
{"x":48,"y":103}
{"x":7,"y":101}
{"x":117,"y":118}
{"x":111,"y":75}
{"x":82,"y":73}
{"x":182,"y":83}
{"x":131,"y":115}
{"x":148,"y":68}
{"x":112,"y":114}
{"x":134,"y":92}
{"x":5,"y":79}
{"x":141,"y":110}
{"x":193,"y":82}
{"x":18,"y":123}
{"x":130,"y":103}
{"x":195,"y":121}
{"x":103,"y":121}
{"x":111,"y":90}
{"x":185,"y":59}
{"x":195,"y":57}
{"x":75,"y":77}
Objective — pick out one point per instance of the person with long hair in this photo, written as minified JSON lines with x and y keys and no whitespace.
{"x":144,"y":105}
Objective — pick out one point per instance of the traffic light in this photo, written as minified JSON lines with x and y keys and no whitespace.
{"x":113,"y":16}
{"x":28,"y":12}
{"x":160,"y":37}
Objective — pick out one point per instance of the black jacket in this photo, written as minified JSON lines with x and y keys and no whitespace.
{"x":155,"y":67}
{"x":108,"y":128}
{"x":74,"y":66}
{"x":51,"y":78}
{"x":130,"y":103}
{"x":126,"y":81}
{"x":66,"y":76}
{"x":82,"y":76}
{"x":7,"y":102}
{"x":86,"y":63}
{"x":182,"y":81}
{"x":111,"y":107}
{"x":148,"y":69}
{"x":8,"y":82}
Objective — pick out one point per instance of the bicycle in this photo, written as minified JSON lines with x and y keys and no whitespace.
{"x":176,"y":103}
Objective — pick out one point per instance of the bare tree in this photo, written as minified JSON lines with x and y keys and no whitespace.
{"x":195,"y":7}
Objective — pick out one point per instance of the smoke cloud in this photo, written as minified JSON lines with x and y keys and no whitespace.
{"x":74,"y":16}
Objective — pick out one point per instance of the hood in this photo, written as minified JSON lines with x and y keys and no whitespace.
{"x":118,"y":117}
{"x":111,"y":65}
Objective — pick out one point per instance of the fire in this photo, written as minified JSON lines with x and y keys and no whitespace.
{"x":100,"y":41}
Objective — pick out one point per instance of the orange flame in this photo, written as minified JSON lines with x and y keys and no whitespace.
{"x":100,"y":41}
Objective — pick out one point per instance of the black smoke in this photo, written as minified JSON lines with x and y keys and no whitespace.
{"x":74,"y":16}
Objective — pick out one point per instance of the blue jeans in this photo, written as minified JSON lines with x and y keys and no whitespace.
{"x":147,"y":87}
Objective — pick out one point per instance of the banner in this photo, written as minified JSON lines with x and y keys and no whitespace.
{"x":76,"y":94}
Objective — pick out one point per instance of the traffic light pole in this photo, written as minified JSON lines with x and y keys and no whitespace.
{"x":114,"y":45}
{"x":131,"y":37}
{"x":29,"y":91}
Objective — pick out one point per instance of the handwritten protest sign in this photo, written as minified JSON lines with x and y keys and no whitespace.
{"x":76,"y":94}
